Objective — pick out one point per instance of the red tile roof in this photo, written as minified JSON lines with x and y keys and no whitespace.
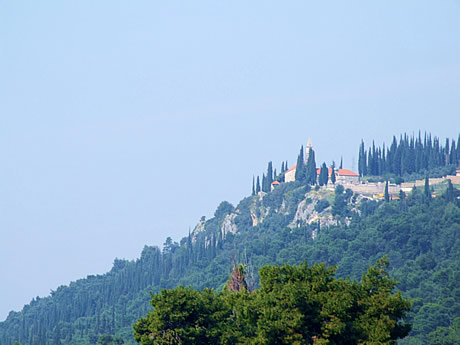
{"x":275,"y":182}
{"x":340,"y":172}
{"x":292,"y":168}
{"x":346,"y":172}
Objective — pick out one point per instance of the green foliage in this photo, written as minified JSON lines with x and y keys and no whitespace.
{"x":294,"y":305}
{"x":323,"y":175}
{"x":333,"y":178}
{"x":421,"y":240}
{"x":321,"y":205}
{"x":386,"y":195}
{"x":223,"y":209}
{"x":108,"y":339}
{"x":446,"y":335}
{"x":183,"y":316}
{"x":310,"y":174}
{"x":410,"y":157}
{"x":300,"y":168}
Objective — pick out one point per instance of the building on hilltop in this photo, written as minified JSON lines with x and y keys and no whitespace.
{"x":289,"y":175}
{"x":274,"y":185}
{"x":342,"y":176}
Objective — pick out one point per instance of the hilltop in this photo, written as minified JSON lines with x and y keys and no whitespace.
{"x":293,"y":222}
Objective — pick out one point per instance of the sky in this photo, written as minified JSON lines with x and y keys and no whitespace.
{"x":124,"y":122}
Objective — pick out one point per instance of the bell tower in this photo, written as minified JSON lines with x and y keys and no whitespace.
{"x":307,"y":150}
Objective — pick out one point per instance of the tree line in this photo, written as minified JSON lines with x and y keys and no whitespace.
{"x":409,"y":155}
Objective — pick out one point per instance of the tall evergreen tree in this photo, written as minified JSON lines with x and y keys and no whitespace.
{"x":269,"y":176}
{"x":450,"y":192}
{"x":453,"y":154}
{"x":300,"y":169}
{"x":264,"y":184}
{"x":311,"y":168}
{"x":458,"y":151}
{"x":253,"y":186}
{"x":341,"y":163}
{"x":361,"y":159}
{"x":258,"y":185}
{"x":323,"y":175}
{"x":386,"y":195}
{"x":427,"y":191}
{"x":333,"y":175}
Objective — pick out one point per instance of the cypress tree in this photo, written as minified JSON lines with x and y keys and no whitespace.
{"x":402,"y":200}
{"x":253,"y":187}
{"x":341,"y":163}
{"x":446,"y":152}
{"x":258,"y":185}
{"x":386,"y":195}
{"x":361,"y":159}
{"x":332,"y":175}
{"x":311,"y":168}
{"x":264,"y":183}
{"x":427,"y":191}
{"x":369,"y":163}
{"x":458,"y":151}
{"x":453,"y":154}
{"x":450,"y":192}
{"x":269,"y":177}
{"x":300,"y":169}
{"x":323,"y":178}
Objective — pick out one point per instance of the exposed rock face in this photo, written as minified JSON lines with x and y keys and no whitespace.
{"x":255,"y":221}
{"x":306,"y":214}
{"x":198,"y":228}
{"x":228,"y":225}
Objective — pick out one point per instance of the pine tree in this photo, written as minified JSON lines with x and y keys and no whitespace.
{"x":300,"y":169}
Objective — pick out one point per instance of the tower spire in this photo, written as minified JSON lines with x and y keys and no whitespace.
{"x":307,"y":149}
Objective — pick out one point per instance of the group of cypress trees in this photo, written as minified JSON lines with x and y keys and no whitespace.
{"x":306,"y":172}
{"x":410,"y":155}
{"x":267,"y":179}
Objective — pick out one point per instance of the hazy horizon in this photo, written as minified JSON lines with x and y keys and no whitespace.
{"x":122,"y":124}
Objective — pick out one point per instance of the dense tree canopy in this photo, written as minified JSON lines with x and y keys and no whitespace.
{"x":294,"y":305}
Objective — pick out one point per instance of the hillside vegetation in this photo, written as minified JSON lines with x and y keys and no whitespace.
{"x":290,"y":225}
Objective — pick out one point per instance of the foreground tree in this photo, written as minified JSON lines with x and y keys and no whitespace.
{"x":294,"y":305}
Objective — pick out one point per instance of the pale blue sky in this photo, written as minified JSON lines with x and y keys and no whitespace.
{"x":123,"y":122}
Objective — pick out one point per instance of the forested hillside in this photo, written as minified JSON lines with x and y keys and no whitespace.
{"x":410,"y":157}
{"x":291,"y":224}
